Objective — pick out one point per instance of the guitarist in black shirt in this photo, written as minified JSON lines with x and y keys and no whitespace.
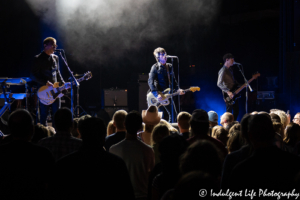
{"x":45,"y":71}
{"x":228,"y":84}
{"x":159,"y":78}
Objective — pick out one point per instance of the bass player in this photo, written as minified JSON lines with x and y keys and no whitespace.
{"x":160,"y":79}
{"x":45,"y":71}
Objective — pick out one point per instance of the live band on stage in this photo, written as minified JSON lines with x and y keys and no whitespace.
{"x":45,"y":87}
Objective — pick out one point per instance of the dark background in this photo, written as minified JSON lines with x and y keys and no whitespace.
{"x":262,"y":35}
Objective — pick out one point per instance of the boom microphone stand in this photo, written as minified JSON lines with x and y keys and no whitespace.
{"x":247,"y":85}
{"x":73,"y":79}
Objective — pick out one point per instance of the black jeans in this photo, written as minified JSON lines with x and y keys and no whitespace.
{"x":44,"y":110}
{"x":234,"y":109}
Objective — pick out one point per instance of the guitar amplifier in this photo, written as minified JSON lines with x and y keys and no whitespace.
{"x":115,"y":98}
{"x":265,"y":95}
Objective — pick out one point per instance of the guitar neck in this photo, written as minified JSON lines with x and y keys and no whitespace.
{"x":64,"y":86}
{"x":243,"y":86}
{"x":177,"y":93}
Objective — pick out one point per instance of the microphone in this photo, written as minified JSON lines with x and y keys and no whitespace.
{"x":172,"y":56}
{"x":235,"y":63}
{"x":59,"y":50}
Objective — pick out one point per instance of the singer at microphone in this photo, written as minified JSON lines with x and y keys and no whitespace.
{"x":228,"y":84}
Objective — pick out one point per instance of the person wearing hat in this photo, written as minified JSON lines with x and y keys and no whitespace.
{"x":160,"y":79}
{"x":213,"y":120}
{"x":151,"y":117}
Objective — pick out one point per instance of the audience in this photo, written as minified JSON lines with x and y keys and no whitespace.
{"x":119,"y":135}
{"x":183,"y":119}
{"x":159,"y":132}
{"x":82,"y":174}
{"x":258,"y":171}
{"x":159,"y":163}
{"x":138,"y":156}
{"x":62,"y":143}
{"x":110,"y":128}
{"x":199,"y":129}
{"x":213,"y":120}
{"x":25,"y":167}
{"x":170,"y":148}
{"x":151,"y":118}
{"x":226,"y":119}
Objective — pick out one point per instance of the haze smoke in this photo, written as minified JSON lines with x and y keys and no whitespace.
{"x":94,"y":30}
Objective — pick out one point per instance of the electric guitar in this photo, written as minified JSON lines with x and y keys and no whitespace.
{"x":153,"y":101}
{"x":231,"y":101}
{"x":48,"y":94}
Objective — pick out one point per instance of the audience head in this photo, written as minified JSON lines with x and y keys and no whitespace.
{"x":183,"y":119}
{"x":235,"y":127}
{"x":199,"y":122}
{"x":40,"y":132}
{"x":159,"y":132}
{"x":93,"y":131}
{"x":111,"y":128}
{"x":275,"y":117}
{"x":171,"y":148}
{"x":189,"y":184}
{"x":220,"y":133}
{"x":260,"y":129}
{"x":74,"y":131}
{"x":20,"y":124}
{"x":297,"y":118}
{"x":170,"y":127}
{"x":151,"y":116}
{"x":226,"y":118}
{"x":283,"y":117}
{"x":213,"y":118}
{"x":63,"y":119}
{"x":231,"y":124}
{"x":201,"y":155}
{"x":236,"y":141}
{"x":133,"y":122}
{"x":292,"y":134}
{"x":278,"y":128}
{"x":119,"y":119}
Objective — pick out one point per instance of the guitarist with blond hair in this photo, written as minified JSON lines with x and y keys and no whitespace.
{"x":45,"y":71}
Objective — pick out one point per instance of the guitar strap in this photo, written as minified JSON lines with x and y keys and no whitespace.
{"x":168,"y":72}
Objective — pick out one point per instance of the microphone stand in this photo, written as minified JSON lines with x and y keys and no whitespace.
{"x":172,"y":102}
{"x":247,"y":85}
{"x":73,"y":80}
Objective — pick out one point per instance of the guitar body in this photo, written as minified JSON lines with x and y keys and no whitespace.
{"x":48,"y":94}
{"x":153,"y":101}
{"x":228,"y":100}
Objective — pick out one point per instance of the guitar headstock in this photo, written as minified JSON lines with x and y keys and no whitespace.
{"x":256,"y":75}
{"x":194,"y":89}
{"x":87,"y":75}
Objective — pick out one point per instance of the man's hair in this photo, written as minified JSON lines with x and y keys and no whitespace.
{"x":159,"y":132}
{"x":199,"y":122}
{"x":133,"y":122}
{"x":20,"y":123}
{"x":228,"y":117}
{"x":183,"y":119}
{"x":227,"y":56}
{"x":119,"y":119}
{"x":157,"y":51}
{"x":63,"y":119}
{"x":93,"y":131}
{"x":48,"y":40}
{"x":261,"y":128}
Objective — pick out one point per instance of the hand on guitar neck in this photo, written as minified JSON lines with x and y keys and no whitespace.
{"x":161,"y":97}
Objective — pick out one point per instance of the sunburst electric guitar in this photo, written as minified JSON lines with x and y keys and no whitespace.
{"x":153,"y":101}
{"x":48,"y":94}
